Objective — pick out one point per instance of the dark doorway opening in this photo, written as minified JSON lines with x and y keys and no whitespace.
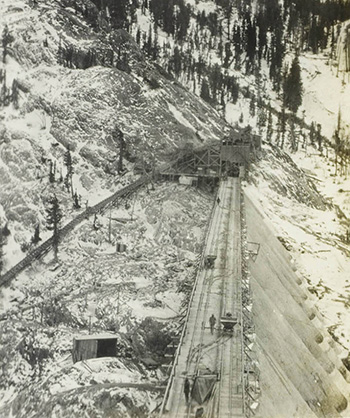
{"x":232,"y":169}
{"x":235,"y":170}
{"x":106,"y":348}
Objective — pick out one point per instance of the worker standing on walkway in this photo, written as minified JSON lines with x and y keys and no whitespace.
{"x":212,"y":322}
{"x":187,"y":389}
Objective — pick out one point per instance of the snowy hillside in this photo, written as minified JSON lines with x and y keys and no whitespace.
{"x":138,"y":91}
{"x":60,"y":108}
{"x":324,"y":94}
{"x":139,"y":295}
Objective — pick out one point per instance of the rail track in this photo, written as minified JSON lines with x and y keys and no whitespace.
{"x":198,"y":348}
{"x":218,"y":291}
{"x":230,"y":393}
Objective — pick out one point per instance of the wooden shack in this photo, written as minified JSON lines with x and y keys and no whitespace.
{"x":94,"y":346}
{"x":120,"y":248}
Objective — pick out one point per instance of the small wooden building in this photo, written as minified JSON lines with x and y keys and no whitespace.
{"x":94,"y":346}
{"x":188,"y":180}
{"x":120,"y":248}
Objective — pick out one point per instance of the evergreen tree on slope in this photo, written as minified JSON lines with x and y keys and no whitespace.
{"x":293,"y":87}
{"x":69,"y":165}
{"x":53,"y":219}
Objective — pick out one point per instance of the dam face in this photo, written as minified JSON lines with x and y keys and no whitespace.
{"x":300,"y":372}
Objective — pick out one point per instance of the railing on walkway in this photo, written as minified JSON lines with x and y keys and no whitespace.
{"x":184,"y":329}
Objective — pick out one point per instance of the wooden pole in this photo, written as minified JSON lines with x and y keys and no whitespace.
{"x":118,"y":301}
{"x":133,"y":207}
{"x":110,"y":226}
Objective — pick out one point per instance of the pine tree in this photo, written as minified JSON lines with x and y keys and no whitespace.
{"x":157,"y":9}
{"x":304,"y":138}
{"x":4,"y":90}
{"x":215,"y":80}
{"x":319,"y":137}
{"x":223,"y":102}
{"x":51,"y":173}
{"x":262,"y":25}
{"x":95,"y":225}
{"x":68,"y":162}
{"x":76,"y":203}
{"x":262,"y":118}
{"x":237,"y":41}
{"x":282,"y":122}
{"x":213,"y":24}
{"x":293,"y":87}
{"x":252,"y":106}
{"x":293,"y":139}
{"x":313,"y":36}
{"x":233,"y":87}
{"x":7,"y":38}
{"x":119,"y":10}
{"x":312,"y":133}
{"x":269,"y":129}
{"x":227,"y":6}
{"x":147,"y":47}
{"x":119,"y":137}
{"x":36,"y":237}
{"x":138,"y":36}
{"x":66,"y":183}
{"x":168,"y":20}
{"x":177,"y":61}
{"x":277,"y":46}
{"x":182,"y":20}
{"x":205,"y":94}
{"x":155,"y":48}
{"x":15,"y":94}
{"x":251,"y":44}
{"x":228,"y":55}
{"x":53,"y":219}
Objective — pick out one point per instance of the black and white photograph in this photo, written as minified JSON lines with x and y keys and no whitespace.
{"x":175,"y":208}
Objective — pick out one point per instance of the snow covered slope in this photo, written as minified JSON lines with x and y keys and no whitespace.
{"x":139,"y":295}
{"x":60,"y":107}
